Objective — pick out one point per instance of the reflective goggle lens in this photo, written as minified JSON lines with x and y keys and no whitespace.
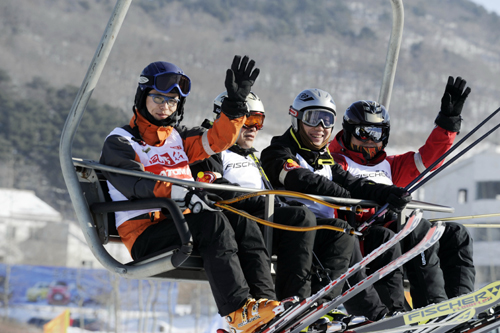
{"x":376,"y":134}
{"x":315,"y":117}
{"x":255,"y":120}
{"x":167,"y":81}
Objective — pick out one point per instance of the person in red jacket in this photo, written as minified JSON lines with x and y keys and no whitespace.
{"x":360,"y":149}
{"x":233,"y":252}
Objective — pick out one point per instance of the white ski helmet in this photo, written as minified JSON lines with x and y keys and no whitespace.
{"x":254,"y":105}
{"x":253,"y":102}
{"x":313,"y":99}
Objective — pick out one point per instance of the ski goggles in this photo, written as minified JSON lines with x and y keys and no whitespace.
{"x":314,"y":117}
{"x":165,"y":82}
{"x":366,"y":133}
{"x":160,"y":99}
{"x":255,"y":120}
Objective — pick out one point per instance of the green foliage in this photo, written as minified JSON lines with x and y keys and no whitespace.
{"x":282,"y":17}
{"x":367,"y":33}
{"x":4,"y":76}
{"x":85,"y":4}
{"x":31,"y":122}
{"x":418,"y":10}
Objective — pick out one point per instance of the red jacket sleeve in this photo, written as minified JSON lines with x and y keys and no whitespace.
{"x":200,"y":143}
{"x":408,"y":166}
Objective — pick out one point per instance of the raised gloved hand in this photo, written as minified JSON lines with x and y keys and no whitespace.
{"x":452,"y":103}
{"x":398,"y":198}
{"x":239,"y":81}
{"x":240,"y":78}
{"x":197,"y":200}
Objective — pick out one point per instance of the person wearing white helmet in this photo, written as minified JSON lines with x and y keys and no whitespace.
{"x":299,"y":161}
{"x":295,"y":269}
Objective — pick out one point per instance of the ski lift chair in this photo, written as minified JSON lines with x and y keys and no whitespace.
{"x":102,"y":209}
{"x":95,"y":210}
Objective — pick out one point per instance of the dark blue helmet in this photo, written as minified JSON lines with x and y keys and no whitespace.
{"x":164,"y":77}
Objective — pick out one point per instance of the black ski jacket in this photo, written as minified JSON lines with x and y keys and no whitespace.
{"x":282,"y":166}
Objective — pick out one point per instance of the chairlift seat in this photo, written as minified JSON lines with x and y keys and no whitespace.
{"x":102,"y":208}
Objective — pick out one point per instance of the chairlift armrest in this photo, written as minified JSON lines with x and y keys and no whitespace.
{"x":162,"y":203}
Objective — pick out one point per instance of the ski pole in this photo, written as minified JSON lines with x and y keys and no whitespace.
{"x":485,"y":225}
{"x":409,"y":188}
{"x":466,"y":217}
{"x":454,"y":158}
{"x":452,"y":149}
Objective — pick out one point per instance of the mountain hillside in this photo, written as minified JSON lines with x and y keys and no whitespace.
{"x":339,"y":46}
{"x":336,"y":45}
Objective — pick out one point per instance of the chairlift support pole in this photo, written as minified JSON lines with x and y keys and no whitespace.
{"x":391,"y":60}
{"x":90,"y":81}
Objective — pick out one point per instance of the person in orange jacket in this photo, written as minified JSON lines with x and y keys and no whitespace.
{"x":234,"y":254}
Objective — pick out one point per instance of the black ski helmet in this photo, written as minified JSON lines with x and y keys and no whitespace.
{"x":366,"y":113}
{"x":164,"y":77}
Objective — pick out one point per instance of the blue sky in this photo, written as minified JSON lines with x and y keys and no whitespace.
{"x":491,"y":5}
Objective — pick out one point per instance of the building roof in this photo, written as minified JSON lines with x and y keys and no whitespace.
{"x":23,"y":204}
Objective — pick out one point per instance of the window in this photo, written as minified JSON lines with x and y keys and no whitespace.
{"x":462,"y":196}
{"x":488,"y":190}
{"x":485,"y":234}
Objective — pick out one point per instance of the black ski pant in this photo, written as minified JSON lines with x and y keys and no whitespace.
{"x":334,"y":251}
{"x":390,"y":289}
{"x":424,"y":272}
{"x":294,"y":252}
{"x":367,"y":302}
{"x":455,"y":255}
{"x":234,"y":255}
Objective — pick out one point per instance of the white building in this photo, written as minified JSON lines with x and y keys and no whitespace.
{"x":472,"y":186}
{"x":34,"y":233}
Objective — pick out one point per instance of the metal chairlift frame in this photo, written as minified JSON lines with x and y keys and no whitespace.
{"x":83,"y":182}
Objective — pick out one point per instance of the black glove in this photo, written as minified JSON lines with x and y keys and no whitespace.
{"x":239,"y":81}
{"x":199,"y":200}
{"x":294,"y":203}
{"x":398,"y":198}
{"x":452,"y":103}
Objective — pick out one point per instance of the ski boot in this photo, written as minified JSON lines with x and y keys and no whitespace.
{"x":252,"y":315}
